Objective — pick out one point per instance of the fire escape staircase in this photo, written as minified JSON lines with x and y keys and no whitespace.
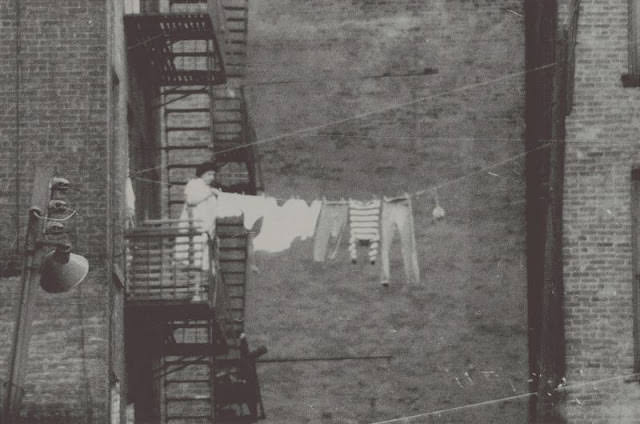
{"x":191,"y":314}
{"x":188,"y":292}
{"x":196,"y":54}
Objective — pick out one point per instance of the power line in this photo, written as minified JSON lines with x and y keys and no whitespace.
{"x":387,"y":108}
{"x":560,"y":388}
{"x":424,"y":72}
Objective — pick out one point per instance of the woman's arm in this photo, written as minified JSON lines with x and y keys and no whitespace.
{"x":197,"y":191}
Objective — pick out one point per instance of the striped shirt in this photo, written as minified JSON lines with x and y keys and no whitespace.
{"x":364,"y":224}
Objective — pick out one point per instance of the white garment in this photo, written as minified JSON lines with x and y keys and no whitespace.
{"x":253,"y":208}
{"x":229,"y":204}
{"x":130,"y":199}
{"x":299,"y":217}
{"x":200,"y":206}
{"x":269,"y":239}
{"x":202,"y":199}
{"x":282,"y":225}
{"x":309,"y":227}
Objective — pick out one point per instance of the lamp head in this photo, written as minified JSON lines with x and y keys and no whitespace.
{"x":62,"y":270}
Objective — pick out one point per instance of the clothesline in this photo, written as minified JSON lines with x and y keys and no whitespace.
{"x":376,"y":111}
{"x":433,"y":189}
{"x":374,"y":137}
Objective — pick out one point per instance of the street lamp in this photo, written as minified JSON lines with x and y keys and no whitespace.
{"x":57,"y":271}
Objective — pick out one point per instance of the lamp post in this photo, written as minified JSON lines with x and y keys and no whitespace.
{"x":56,"y":271}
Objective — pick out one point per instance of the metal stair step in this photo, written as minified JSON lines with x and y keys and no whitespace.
{"x":182,"y":165}
{"x":188,"y":417}
{"x":181,"y":92}
{"x":187,"y":110}
{"x":187,"y":381}
{"x":235,"y":8}
{"x":187,"y":147}
{"x":170,"y":129}
{"x":181,"y":362}
{"x":188,"y":398}
{"x":193,"y":54}
{"x":229,"y":110}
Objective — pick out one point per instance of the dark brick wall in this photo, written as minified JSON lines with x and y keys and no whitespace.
{"x":64,"y":98}
{"x":473,"y":119}
{"x":330,"y":45}
{"x":312,"y":67}
{"x":602,"y":136}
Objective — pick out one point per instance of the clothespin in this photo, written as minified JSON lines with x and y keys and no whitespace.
{"x":438,"y":211}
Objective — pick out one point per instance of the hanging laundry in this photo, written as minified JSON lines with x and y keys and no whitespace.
{"x":438,"y":211}
{"x":364,"y":224}
{"x":331,"y":222}
{"x":130,"y":199}
{"x":254,"y":208}
{"x":283,"y":224}
{"x":397,"y":213}
{"x":229,"y":205}
{"x":299,"y":213}
{"x":277,"y":231}
{"x":311,"y":218}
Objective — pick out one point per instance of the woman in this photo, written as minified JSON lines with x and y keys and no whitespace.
{"x":200,"y":206}
{"x":201,"y":198}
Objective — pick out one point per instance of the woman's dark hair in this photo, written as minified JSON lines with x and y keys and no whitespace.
{"x":206,"y":166}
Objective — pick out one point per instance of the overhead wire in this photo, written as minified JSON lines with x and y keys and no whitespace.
{"x":372,"y":137}
{"x":436,"y":186}
{"x":413,"y":74}
{"x":560,"y":388}
{"x":371,"y":112}
{"x":388,"y":108}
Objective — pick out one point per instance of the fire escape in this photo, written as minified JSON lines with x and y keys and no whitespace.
{"x":187,"y":355}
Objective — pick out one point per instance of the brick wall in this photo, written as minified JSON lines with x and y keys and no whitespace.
{"x":308,"y":69}
{"x":467,"y":113}
{"x":602,"y":134}
{"x":63,"y":102}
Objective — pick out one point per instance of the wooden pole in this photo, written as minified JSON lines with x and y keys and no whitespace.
{"x":28,"y":288}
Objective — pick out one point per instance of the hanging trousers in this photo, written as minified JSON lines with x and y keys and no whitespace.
{"x":398,"y":213}
{"x":331,"y":222}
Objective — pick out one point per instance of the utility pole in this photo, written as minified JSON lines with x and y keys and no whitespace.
{"x":33,"y":256}
{"x":56,"y":272}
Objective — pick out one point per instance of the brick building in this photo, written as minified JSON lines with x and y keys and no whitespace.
{"x":63,"y":72}
{"x":68,"y":72}
{"x":88,"y":101}
{"x":600,"y":215}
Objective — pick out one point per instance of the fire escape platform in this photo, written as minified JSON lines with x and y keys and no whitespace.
{"x":150,"y":40}
{"x":170,"y":309}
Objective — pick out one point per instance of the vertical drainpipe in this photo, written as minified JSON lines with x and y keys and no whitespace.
{"x":109,"y":198}
{"x":539,"y":52}
{"x":18,"y":47}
